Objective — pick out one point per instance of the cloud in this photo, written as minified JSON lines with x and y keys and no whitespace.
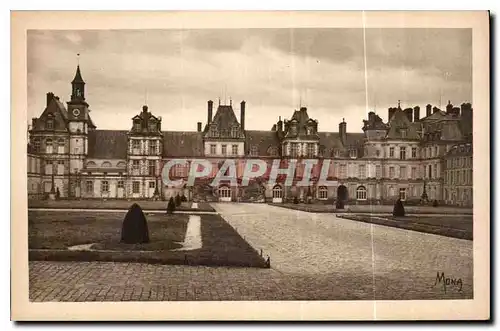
{"x":274,"y":70}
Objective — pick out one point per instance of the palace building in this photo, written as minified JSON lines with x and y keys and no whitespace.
{"x":410,"y":157}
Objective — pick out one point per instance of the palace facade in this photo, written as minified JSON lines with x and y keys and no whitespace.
{"x":409,"y":157}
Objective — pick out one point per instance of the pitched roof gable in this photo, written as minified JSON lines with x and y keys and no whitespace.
{"x":399,"y":122}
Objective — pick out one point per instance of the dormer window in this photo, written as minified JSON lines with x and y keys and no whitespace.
{"x":403,"y":133}
{"x":234,"y":132}
{"x":49,"y":125}
{"x":336,"y":153}
{"x":254,"y":150}
{"x":137,"y":125}
{"x":353,"y":153}
{"x":152,"y":125}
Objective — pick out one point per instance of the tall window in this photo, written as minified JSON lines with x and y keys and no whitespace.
{"x":402,"y":194}
{"x":294,"y":149}
{"x":414,"y":172}
{"x":310,"y":150}
{"x":343,"y":171}
{"x":60,"y":146}
{"x":234,"y":149}
{"x":152,"y":147}
{"x":120,"y":184}
{"x":413,"y":152}
{"x":152,"y":125}
{"x":402,"y":153}
{"x":48,"y":146}
{"x":434,"y":172}
{"x":36,"y":145}
{"x":436,"y":151}
{"x":213,"y":149}
{"x":49,"y":125}
{"x":362,"y":171}
{"x":224,"y":149}
{"x":136,"y":146}
{"x":361,"y":193}
{"x":353,"y":153}
{"x":89,"y":186}
{"x":378,"y":171}
{"x":152,"y":168}
{"x":179,"y":170}
{"x":392,"y":173}
{"x":391,"y":151}
{"x":151,"y":184}
{"x":135,"y":167}
{"x":234,"y":132}
{"x":323,"y":193}
{"x":137,"y":125}
{"x":60,"y":167}
{"x":104,"y":186}
{"x":402,"y":172}
{"x":403,"y":133}
{"x":135,"y":186}
{"x":430,"y":171}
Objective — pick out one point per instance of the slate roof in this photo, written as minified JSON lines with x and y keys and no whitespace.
{"x":330,"y":141}
{"x":223,"y":121}
{"x":78,"y":76}
{"x":399,"y":121}
{"x":182,"y":144}
{"x":107,"y":144}
{"x":262,"y":139}
{"x":302,"y":120}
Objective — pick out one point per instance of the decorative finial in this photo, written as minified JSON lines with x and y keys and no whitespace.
{"x":399,"y":103}
{"x":78,"y":58}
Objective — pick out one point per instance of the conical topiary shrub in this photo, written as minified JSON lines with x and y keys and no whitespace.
{"x":171,"y":206}
{"x":135,"y":226}
{"x":177,"y":200}
{"x":399,"y":209}
{"x":339,"y":204}
{"x":435,"y":203}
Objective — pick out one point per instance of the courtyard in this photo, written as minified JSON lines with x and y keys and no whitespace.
{"x":314,"y":256}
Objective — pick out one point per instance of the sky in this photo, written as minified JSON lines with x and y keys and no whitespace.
{"x":336,"y":73}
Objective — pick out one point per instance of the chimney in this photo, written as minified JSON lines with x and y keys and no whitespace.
{"x":428,"y":109}
{"x":391,"y":112}
{"x":416,"y":114}
{"x":199,"y":126}
{"x":210,"y":108}
{"x":466,"y":110}
{"x":371,"y":117}
{"x":409,"y":114}
{"x":242,"y":114}
{"x":50,"y":96}
{"x":449,"y":107}
{"x":280,"y":124}
{"x":343,"y":132}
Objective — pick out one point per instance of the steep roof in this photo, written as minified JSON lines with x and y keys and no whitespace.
{"x":182,"y":144}
{"x":330,"y":141}
{"x":54,"y":111}
{"x":107,"y":144}
{"x":223,"y":122}
{"x":78,"y":76}
{"x":301,"y":121}
{"x":262,"y":139}
{"x":399,"y":122}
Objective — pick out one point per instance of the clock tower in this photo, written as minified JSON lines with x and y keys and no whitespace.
{"x":79,"y":125}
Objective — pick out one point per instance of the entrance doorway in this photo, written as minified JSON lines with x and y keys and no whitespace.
{"x":342,"y":193}
{"x":225,"y":194}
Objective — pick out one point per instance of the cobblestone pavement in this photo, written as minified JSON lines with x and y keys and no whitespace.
{"x":313,"y":257}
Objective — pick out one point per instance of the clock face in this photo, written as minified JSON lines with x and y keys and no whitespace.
{"x":76,"y":111}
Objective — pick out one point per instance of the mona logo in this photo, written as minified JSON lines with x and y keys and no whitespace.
{"x":448,"y":281}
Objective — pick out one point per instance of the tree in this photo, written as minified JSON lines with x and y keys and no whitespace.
{"x":170,"y":206}
{"x":177,"y":200}
{"x":58,"y":193}
{"x":399,"y":209}
{"x":135,"y":226}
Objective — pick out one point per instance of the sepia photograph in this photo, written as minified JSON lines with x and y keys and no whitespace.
{"x":259,"y":163}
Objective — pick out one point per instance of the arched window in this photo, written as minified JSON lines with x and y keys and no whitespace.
{"x":91,"y":164}
{"x":361,"y":193}
{"x":277,"y":192}
{"x":224,"y":192}
{"x":48,"y":146}
{"x":323,"y":192}
{"x":121,"y":164}
{"x":106,"y":164}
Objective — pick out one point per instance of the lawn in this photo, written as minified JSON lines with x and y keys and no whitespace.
{"x":114,"y":204}
{"x":373,"y":209}
{"x":449,"y":226}
{"x":52,"y":232}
